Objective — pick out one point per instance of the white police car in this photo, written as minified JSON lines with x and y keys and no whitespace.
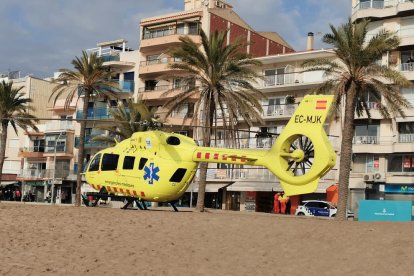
{"x":316,"y":208}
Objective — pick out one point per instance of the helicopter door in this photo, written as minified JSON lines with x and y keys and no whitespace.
{"x":127,"y":175}
{"x":109,"y":170}
{"x":93,"y":168}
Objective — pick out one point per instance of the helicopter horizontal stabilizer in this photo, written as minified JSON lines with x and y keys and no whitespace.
{"x":307,"y":188}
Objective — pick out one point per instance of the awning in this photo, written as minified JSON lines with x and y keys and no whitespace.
{"x":6,"y":183}
{"x":250,"y":186}
{"x":406,"y":119}
{"x":210,"y":188}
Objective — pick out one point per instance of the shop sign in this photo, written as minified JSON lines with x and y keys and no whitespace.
{"x":384,"y":210}
{"x":407,"y":163}
{"x":399,"y":189}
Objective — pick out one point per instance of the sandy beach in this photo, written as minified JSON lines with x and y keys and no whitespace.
{"x":56,"y":240}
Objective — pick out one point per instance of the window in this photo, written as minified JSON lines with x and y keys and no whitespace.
{"x":178,"y":175}
{"x":177,"y":83}
{"x":142,"y":163}
{"x":401,"y":163}
{"x":153,"y":59}
{"x":94,"y":165}
{"x":52,"y":143}
{"x":408,"y":93}
{"x":406,"y":132}
{"x":150,"y":85}
{"x":362,"y":163}
{"x":275,"y":106}
{"x":128,"y":163}
{"x":109,"y":162}
{"x":366,"y":133}
{"x":275,"y":77}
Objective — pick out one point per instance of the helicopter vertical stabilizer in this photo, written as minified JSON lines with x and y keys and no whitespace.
{"x":302,"y":153}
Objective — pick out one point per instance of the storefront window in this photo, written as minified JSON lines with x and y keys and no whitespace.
{"x":401,"y":163}
{"x":363,"y":163}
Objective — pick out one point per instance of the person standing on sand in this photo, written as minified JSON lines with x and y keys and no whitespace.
{"x":283,"y":200}
{"x":276,"y":204}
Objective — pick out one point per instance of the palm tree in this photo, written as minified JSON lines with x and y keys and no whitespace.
{"x":14,"y":110}
{"x":220,"y":77}
{"x":129,"y":118}
{"x":89,"y":79}
{"x":351,"y":77}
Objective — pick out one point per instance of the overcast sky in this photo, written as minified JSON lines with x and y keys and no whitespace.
{"x":41,"y":36}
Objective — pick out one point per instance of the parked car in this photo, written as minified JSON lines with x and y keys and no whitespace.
{"x":319,"y":208}
{"x":316,"y":208}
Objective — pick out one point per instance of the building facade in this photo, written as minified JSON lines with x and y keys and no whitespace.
{"x":383,"y":159}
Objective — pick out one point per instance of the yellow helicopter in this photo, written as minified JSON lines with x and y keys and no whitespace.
{"x":158,"y":166}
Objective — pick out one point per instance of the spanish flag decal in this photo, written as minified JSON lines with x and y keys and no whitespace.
{"x":321,"y":105}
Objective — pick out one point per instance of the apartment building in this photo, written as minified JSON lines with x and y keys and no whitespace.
{"x":383,"y":159}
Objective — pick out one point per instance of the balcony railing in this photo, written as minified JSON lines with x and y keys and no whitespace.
{"x":168,"y":32}
{"x":365,"y":139}
{"x":89,"y":143}
{"x":96,"y":113}
{"x":155,"y":88}
{"x":59,"y":125}
{"x":159,"y":61}
{"x":272,"y":111}
{"x":47,"y":173}
{"x":33,"y":149}
{"x":125,"y":86}
{"x":294,"y":78}
{"x":58,"y":148}
{"x":406,"y":138}
{"x":110,"y":58}
{"x":377,"y":4}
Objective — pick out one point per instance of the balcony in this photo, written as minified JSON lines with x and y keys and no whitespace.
{"x":291,"y":81}
{"x":278,"y":111}
{"x":91,"y":144}
{"x":406,"y":138}
{"x":407,"y":69}
{"x":57,"y":126}
{"x":156,"y":40}
{"x":96,"y":114}
{"x":125,"y":86}
{"x":32,"y":152}
{"x":156,"y":92}
{"x":365,"y":140}
{"x":157,"y":66}
{"x":36,"y":174}
{"x":379,"y":8}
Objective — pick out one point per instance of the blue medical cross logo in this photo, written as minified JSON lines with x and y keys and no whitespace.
{"x":151,"y":173}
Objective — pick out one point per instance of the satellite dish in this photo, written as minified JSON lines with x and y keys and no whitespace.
{"x":206,"y":2}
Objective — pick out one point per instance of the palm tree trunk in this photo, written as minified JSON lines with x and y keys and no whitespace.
{"x":204,"y":166}
{"x":81,"y":148}
{"x":346,"y":153}
{"x":3,"y":141}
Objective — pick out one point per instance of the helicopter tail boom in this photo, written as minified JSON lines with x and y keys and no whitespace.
{"x":300,"y":156}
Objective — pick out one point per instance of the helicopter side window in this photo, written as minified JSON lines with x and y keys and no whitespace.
{"x":174,"y":141}
{"x":142,"y":163}
{"x":109,"y":162}
{"x":128,"y":163}
{"x":178,"y":175}
{"x":94,"y":164}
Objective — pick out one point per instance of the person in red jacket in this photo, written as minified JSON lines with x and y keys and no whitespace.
{"x":276,"y":206}
{"x":283,"y":201}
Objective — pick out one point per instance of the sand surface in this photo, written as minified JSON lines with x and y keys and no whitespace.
{"x":54,"y":240}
